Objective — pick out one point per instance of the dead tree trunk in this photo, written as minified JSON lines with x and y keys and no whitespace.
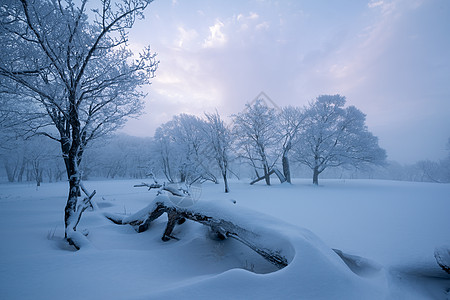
{"x":177,"y":215}
{"x":261,"y":177}
{"x":280,"y":175}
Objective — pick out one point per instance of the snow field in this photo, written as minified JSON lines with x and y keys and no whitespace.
{"x":394,"y":226}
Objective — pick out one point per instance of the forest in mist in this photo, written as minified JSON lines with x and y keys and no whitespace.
{"x":121,"y":156}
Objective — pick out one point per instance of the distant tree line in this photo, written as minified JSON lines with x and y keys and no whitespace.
{"x":320,"y":136}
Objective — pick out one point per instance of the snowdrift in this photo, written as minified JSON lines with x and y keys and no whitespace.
{"x":310,"y":261}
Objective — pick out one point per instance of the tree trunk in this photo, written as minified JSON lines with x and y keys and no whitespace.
{"x":22,"y":169}
{"x":267,"y":175}
{"x":9,"y":172}
{"x":261,"y":178}
{"x":279,"y":175}
{"x":225,"y":182}
{"x":73,"y":209}
{"x":65,"y":148}
{"x":286,"y":169}
{"x":316,"y":175}
{"x":74,"y":192}
{"x":40,"y":176}
{"x":182,"y":177}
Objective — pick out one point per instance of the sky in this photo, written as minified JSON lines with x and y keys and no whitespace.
{"x":389,"y":58}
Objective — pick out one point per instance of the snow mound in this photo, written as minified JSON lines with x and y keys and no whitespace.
{"x":310,"y":261}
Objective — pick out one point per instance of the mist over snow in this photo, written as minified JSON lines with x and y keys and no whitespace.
{"x":389,"y":58}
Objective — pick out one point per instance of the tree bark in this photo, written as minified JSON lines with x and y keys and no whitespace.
{"x":316,"y":175}
{"x":286,"y":169}
{"x":73,"y":209}
{"x":74,"y":192}
{"x":266,"y":175}
{"x":225,"y":182}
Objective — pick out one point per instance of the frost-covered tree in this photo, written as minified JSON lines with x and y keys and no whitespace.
{"x":118,"y":156}
{"x":290,"y":123}
{"x":255,"y":132}
{"x":430,"y":171}
{"x":164,"y":153}
{"x":32,"y":159}
{"x":335,"y":136}
{"x":75,"y":74}
{"x":219,"y":144}
{"x":184,"y":150}
{"x":434,"y":171}
{"x":13,"y":158}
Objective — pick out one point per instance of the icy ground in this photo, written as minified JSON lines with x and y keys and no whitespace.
{"x":394,"y":226}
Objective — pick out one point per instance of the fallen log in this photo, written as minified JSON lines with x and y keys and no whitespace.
{"x":208,"y":215}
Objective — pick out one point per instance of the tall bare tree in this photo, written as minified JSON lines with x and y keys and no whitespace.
{"x":255,"y":130}
{"x":76,"y":75}
{"x":182,"y":147}
{"x":220,"y":144}
{"x":291,"y":120}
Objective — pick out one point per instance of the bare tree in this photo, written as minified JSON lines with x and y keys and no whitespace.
{"x":256,"y":137}
{"x":182,"y":145}
{"x":291,"y":120}
{"x":77,"y":76}
{"x":14,"y":161}
{"x":335,"y":136}
{"x":220,"y":143}
{"x":118,"y":155}
{"x":163,"y":153}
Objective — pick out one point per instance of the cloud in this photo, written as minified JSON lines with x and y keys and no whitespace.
{"x":253,"y":16}
{"x":375,"y":3}
{"x":262,"y":26}
{"x":216,"y":38}
{"x":185,"y":36}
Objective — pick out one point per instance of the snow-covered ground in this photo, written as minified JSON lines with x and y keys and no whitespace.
{"x":395,"y":226}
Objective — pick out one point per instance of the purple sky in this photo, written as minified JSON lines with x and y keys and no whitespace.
{"x":389,"y":58}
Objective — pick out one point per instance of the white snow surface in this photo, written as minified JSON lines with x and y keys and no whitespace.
{"x":388,"y":231}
